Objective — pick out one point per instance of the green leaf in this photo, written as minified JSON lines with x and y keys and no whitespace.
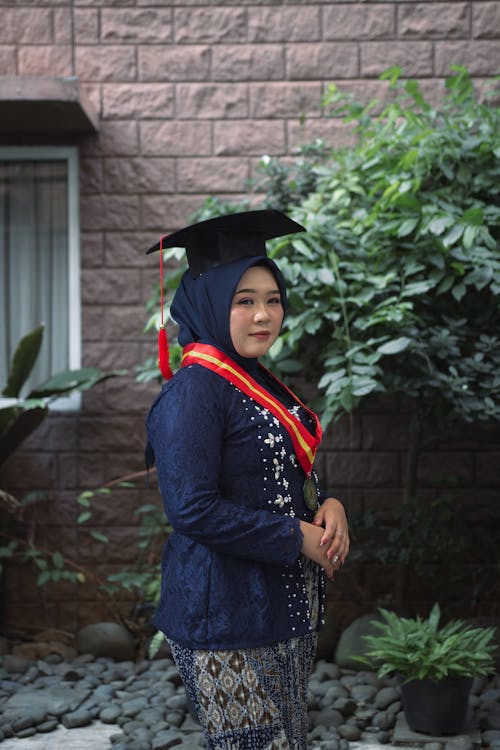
{"x":57,"y":560}
{"x":454,"y":235}
{"x":83,"y":517}
{"x":473,"y":217}
{"x":19,"y":428}
{"x":407,"y":227}
{"x":70,"y":380}
{"x":24,"y":358}
{"x":44,"y":578}
{"x":395,"y":346}
{"x":99,"y":536}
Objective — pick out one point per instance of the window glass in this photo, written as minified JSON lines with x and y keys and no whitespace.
{"x":37,"y":261}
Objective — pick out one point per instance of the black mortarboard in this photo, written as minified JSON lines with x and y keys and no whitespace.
{"x":226,"y":238}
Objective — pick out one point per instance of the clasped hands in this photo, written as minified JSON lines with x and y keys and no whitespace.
{"x":326,"y":539}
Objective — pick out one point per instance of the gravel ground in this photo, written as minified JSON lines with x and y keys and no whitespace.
{"x":144,"y":707}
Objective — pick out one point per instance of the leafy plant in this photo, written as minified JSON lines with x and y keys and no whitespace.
{"x":419,"y":649}
{"x":432,"y":536}
{"x":394,"y":288}
{"x":141,"y":580}
{"x":19,"y":417}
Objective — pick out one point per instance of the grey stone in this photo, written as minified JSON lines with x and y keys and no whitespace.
{"x":346,"y":706}
{"x":326,"y":670}
{"x":14,"y":664}
{"x":9,"y":687}
{"x":141,"y":734}
{"x":107,"y":639}
{"x":55,"y":700}
{"x":490,"y":695}
{"x":110,"y":714}
{"x":492,"y":718}
{"x":77,"y":719}
{"x":133,"y":707}
{"x":386,"y":696}
{"x":47,"y":726}
{"x":151,"y":716}
{"x":31,"y":717}
{"x":165,"y":740}
{"x":461,"y":742}
{"x":138,"y":745}
{"x":434,"y":746}
{"x":130,"y":725}
{"x":383,"y":737}
{"x":175,"y":718}
{"x":491,"y":735}
{"x":335,"y":691}
{"x":329,"y":717}
{"x":383,"y":720}
{"x":349,"y":732}
{"x":117,"y":738}
{"x":333,"y":744}
{"x":351,"y":643}
{"x":28,"y":732}
{"x":363,"y":693}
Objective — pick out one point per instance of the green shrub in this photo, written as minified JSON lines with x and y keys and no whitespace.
{"x":419,"y":649}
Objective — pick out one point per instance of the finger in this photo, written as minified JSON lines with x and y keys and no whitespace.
{"x":329,"y":533}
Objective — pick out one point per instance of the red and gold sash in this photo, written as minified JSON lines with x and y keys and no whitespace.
{"x":304,"y":442}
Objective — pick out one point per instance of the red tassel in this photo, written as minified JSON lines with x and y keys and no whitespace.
{"x":163,"y":354}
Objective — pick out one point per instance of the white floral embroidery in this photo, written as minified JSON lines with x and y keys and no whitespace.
{"x":280,"y":500}
{"x":278,"y":468}
{"x":270,"y":440}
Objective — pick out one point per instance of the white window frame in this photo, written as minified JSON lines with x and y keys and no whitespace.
{"x":71,"y":156}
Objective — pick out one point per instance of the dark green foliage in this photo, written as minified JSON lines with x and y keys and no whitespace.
{"x":395,"y":287}
{"x":419,"y":649}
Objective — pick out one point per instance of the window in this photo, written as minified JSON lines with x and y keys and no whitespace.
{"x":39,"y":258}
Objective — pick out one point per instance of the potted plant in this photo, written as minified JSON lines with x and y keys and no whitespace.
{"x":435,"y":664}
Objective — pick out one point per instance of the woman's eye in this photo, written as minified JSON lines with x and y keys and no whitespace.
{"x":275,"y":301}
{"x":245,"y":302}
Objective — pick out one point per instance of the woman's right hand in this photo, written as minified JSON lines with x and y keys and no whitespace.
{"x":312,"y":548}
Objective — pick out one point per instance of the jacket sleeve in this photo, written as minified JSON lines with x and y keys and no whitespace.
{"x":186,"y":432}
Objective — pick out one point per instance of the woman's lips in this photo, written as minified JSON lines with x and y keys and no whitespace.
{"x":261,"y":334}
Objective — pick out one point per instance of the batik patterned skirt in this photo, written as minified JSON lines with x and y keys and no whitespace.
{"x":256,"y":698}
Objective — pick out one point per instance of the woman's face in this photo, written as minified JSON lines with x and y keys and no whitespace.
{"x":256,"y":313}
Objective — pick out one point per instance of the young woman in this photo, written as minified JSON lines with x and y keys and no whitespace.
{"x":243,"y":570}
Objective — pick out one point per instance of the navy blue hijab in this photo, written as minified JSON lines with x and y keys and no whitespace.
{"x":202,"y":305}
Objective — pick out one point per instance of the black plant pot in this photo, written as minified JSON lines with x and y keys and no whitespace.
{"x":437,"y":708}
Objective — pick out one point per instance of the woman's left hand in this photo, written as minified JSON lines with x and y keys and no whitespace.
{"x":331,"y":515}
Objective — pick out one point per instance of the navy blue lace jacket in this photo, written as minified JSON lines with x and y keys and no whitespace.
{"x":232,"y":571}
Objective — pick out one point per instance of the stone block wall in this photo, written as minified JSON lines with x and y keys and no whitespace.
{"x":189,"y":97}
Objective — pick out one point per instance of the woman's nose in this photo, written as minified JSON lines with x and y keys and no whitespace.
{"x":261,"y":313}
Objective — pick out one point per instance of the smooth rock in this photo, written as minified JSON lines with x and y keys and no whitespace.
{"x":363,"y":693}
{"x":386,"y":696}
{"x":461,"y":742}
{"x":110,"y":714}
{"x":351,"y":643}
{"x":107,"y":639}
{"x":165,"y":740}
{"x":14,"y":664}
{"x":77,"y":719}
{"x":349,"y":732}
{"x":329,"y":717}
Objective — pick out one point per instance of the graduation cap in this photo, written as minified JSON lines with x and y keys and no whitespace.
{"x":215,"y":242}
{"x":226,"y":238}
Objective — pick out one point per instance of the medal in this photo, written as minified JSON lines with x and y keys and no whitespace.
{"x":310,"y":494}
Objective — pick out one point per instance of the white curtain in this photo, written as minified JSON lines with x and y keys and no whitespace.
{"x":34,"y":262}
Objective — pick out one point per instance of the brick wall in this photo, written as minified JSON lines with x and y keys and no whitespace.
{"x":189,"y":96}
